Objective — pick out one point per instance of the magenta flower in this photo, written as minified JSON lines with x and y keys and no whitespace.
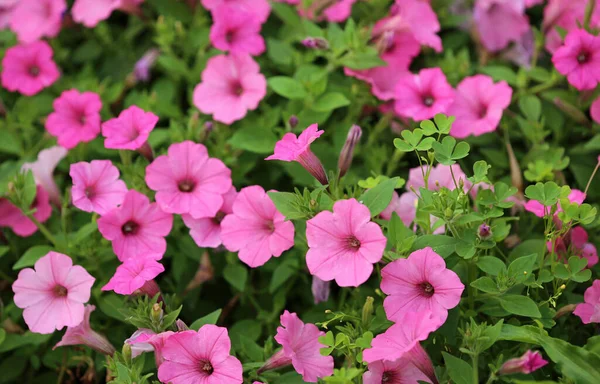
{"x":301,"y":348}
{"x":340,"y":11}
{"x":188,"y":181}
{"x":589,"y":311}
{"x":575,"y":242}
{"x":53,"y":295}
{"x":538,"y":209}
{"x":292,"y":148}
{"x":231,"y":86}
{"x":91,"y":12}
{"x":478,"y":105}
{"x":260,"y":8}
{"x":43,"y":171}
{"x":145,"y":340}
{"x":83,"y":334}
{"x":137,"y":228}
{"x":398,"y":371}
{"x":236,"y":31}
{"x":256,"y":229}
{"x":76,"y":118}
{"x":12,"y":217}
{"x":595,"y":110}
{"x":500,"y":22}
{"x":422,"y":96}
{"x":206,"y":232}
{"x":345,"y":244}
{"x":439,"y":176}
{"x":29,"y":68}
{"x":130,"y":130}
{"x":96,"y":186}
{"x":200,"y":357}
{"x":567,"y":15}
{"x":529,"y":362}
{"x":33,"y":19}
{"x":579,"y":59}
{"x":418,"y":283}
{"x":133,"y":274}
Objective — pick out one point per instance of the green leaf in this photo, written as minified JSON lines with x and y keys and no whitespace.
{"x":2,"y":335}
{"x":501,"y":73}
{"x":443,"y":122}
{"x":282,"y":273}
{"x":520,"y":305}
{"x":459,"y":370}
{"x":287,"y":87}
{"x":531,"y":107}
{"x":492,"y":334}
{"x":378,"y":198}
{"x":255,"y":139}
{"x":236,"y":275}
{"x":288,"y":204}
{"x":491,"y":265}
{"x":10,"y":143}
{"x":441,"y":244}
{"x":211,"y":318}
{"x":485,"y":284}
{"x":361,"y":61}
{"x":29,"y":190}
{"x":32,"y":255}
{"x":330,"y":101}
{"x":545,"y":193}
{"x":480,"y":171}
{"x":520,"y":269}
{"x":3,"y":250}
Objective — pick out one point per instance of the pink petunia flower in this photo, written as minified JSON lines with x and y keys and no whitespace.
{"x":256,"y":229}
{"x":478,"y":105}
{"x":500,"y":22}
{"x":29,"y":68}
{"x":340,"y":11}
{"x":33,"y":19}
{"x":200,"y":357}
{"x":579,"y":59}
{"x":260,"y":8}
{"x":137,"y":228}
{"x":236,"y":31}
{"x":345,"y":244}
{"x":529,"y":362}
{"x":301,"y":348}
{"x":83,"y":334}
{"x":292,"y":148}
{"x":96,"y":186}
{"x":538,"y":209}
{"x":439,"y":176}
{"x":188,"y":181}
{"x":133,"y":274}
{"x":53,"y":295}
{"x":76,"y":118}
{"x":589,"y":311}
{"x":91,"y":12}
{"x":575,"y":242}
{"x":130,"y":130}
{"x":422,"y":96}
{"x":12,"y":217}
{"x":567,"y":15}
{"x":420,"y":282}
{"x":231,"y":86}
{"x":206,"y":232}
{"x":43,"y":171}
{"x":145,"y":340}
{"x":404,"y":205}
{"x":398,"y":371}
{"x":595,"y":110}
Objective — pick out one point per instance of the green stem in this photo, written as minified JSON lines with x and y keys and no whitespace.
{"x":475,"y":359}
{"x":43,"y":230}
{"x":591,"y":178}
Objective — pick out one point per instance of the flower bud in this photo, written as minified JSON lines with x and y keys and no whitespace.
{"x":484,"y":232}
{"x":320,"y":290}
{"x":367,"y":311}
{"x":157,"y":313}
{"x":315,"y":43}
{"x":529,"y":362}
{"x":142,"y":68}
{"x":347,"y":152}
{"x":181,"y":326}
{"x":209,"y":126}
{"x":293,"y":121}
{"x":126,"y":351}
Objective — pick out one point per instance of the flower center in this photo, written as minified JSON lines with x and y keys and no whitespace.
{"x":353,"y":242}
{"x":236,"y":88}
{"x":583,"y":57}
{"x":426,"y":289}
{"x":130,"y":228}
{"x":218,"y":217}
{"x":90,"y":192}
{"x":206,"y":367}
{"x":270,"y":226}
{"x":186,"y":185}
{"x":482,"y":113}
{"x":82,"y":119}
{"x":60,"y":291}
{"x":428,"y":101}
{"x":34,"y":71}
{"x":229,"y":36}
{"x":387,"y":377}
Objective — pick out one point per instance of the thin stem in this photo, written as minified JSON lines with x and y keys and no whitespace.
{"x":475,"y":359}
{"x":453,"y":178}
{"x":592,"y":177}
{"x":43,"y":230}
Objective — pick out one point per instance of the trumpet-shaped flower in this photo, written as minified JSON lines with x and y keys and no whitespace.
{"x":579,"y":59}
{"x":422,"y":96}
{"x":206,"y":232}
{"x":589,"y":311}
{"x":83,"y":334}
{"x":43,"y":170}
{"x":130,"y":130}
{"x":133,"y":274}
{"x":29,"y":68}
{"x":236,"y":31}
{"x":33,"y":19}
{"x":96,"y":186}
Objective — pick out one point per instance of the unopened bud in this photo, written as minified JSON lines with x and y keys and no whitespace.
{"x":293,"y":121}
{"x":484,"y":232}
{"x":209,"y":126}
{"x":563,"y":287}
{"x":142,"y":68}
{"x":320,"y":290}
{"x":181,"y":326}
{"x":367,"y":311}
{"x":315,"y":43}
{"x":345,"y":160}
{"x":126,"y":351}
{"x":157,"y":313}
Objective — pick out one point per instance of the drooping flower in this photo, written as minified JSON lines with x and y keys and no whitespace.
{"x":96,"y":186}
{"x":76,"y":118}
{"x":12,"y":217}
{"x":301,"y":348}
{"x":133,"y":274}
{"x":130,"y":130}
{"x":206,"y":232}
{"x":538,"y":209}
{"x":29,"y":68}
{"x":146,"y":340}
{"x":579,"y":59}
{"x":567,"y":15}
{"x":422,"y":96}
{"x":344,"y":244}
{"x":398,"y":371}
{"x":91,"y":12}
{"x":43,"y":171}
{"x":260,"y":8}
{"x":53,"y":294}
{"x":589,"y":311}
{"x":499,"y":22}
{"x":575,"y":242}
{"x":142,"y":67}
{"x":83,"y":334}
{"x":292,"y":148}
{"x":236,"y":31}
{"x":188,"y":181}
{"x":137,"y":228}
{"x":478,"y":105}
{"x":199,"y":357}
{"x":231,"y":86}
{"x":33,"y":19}
{"x":529,"y":362}
{"x":320,"y":290}
{"x":256,"y":229}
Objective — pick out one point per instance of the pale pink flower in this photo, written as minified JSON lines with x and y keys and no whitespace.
{"x":53,"y":295}
{"x":439,"y":176}
{"x":344,"y":244}
{"x":404,"y":205}
{"x":292,"y":148}
{"x":96,"y":186}
{"x":33,"y":19}
{"x":478,"y":105}
{"x":145,"y":340}
{"x":579,"y":59}
{"x":595,"y":110}
{"x":236,"y":31}
{"x":260,"y":8}
{"x":567,"y":15}
{"x":133,"y":274}
{"x":137,"y":228}
{"x":76,"y":118}
{"x":12,"y":217}
{"x":188,"y":181}
{"x":399,"y":371}
{"x":418,"y":283}
{"x":422,"y":96}
{"x":529,"y":362}
{"x":231,"y":86}
{"x":575,"y":242}
{"x":29,"y":68}
{"x":91,"y":12}
{"x":130,"y":130}
{"x":256,"y":229}
{"x":200,"y":357}
{"x":43,"y":170}
{"x":339,"y":11}
{"x":589,"y":311}
{"x":538,"y":209}
{"x":206,"y":232}
{"x":83,"y":334}
{"x":301,"y":348}
{"x":500,"y":22}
